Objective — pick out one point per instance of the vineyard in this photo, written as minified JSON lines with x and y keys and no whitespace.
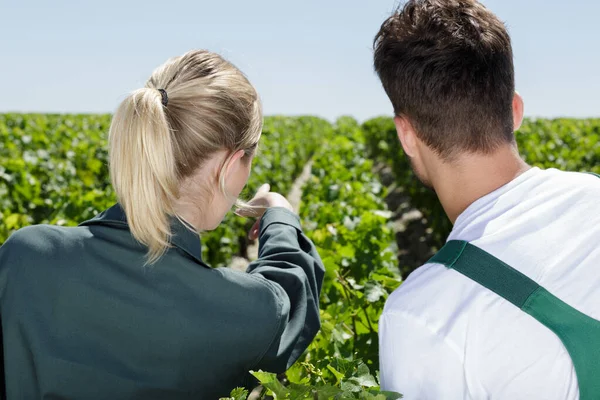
{"x":371,"y":220}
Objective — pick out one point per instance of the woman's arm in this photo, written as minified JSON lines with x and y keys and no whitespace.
{"x":289,"y":261}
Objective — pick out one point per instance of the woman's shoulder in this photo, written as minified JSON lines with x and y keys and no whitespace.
{"x":32,"y":246}
{"x":41,"y":238}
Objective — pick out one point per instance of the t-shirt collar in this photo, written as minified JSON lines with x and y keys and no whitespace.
{"x":495,"y":194}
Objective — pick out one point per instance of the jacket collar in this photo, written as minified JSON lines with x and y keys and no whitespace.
{"x":183,"y":238}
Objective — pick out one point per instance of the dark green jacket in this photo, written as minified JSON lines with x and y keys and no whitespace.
{"x":83,"y":319}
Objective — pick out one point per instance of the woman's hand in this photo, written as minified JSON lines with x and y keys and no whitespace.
{"x":263,"y":199}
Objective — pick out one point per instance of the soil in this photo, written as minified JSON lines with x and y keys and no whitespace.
{"x":413,"y":236}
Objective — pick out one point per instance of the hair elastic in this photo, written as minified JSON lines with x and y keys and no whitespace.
{"x":165,"y":98}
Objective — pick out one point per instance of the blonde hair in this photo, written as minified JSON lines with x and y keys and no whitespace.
{"x":211,"y":106}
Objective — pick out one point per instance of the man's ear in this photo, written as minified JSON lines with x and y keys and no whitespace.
{"x":407,"y":135}
{"x":518,"y":108}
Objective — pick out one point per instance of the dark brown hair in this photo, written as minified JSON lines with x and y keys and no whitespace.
{"x":447,"y":66}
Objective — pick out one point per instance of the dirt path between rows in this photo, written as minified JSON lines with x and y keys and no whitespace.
{"x":295,"y":194}
{"x":414,"y":237}
{"x":295,"y":199}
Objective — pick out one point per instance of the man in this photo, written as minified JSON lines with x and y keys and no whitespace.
{"x":466,"y":325}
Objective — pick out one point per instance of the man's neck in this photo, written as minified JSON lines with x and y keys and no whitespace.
{"x":473,"y":176}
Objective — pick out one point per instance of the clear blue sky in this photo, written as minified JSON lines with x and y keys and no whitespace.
{"x":304,"y":57}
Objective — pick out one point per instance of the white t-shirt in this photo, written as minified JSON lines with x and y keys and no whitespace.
{"x":443,"y":336}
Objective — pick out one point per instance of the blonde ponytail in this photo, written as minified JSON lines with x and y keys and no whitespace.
{"x":142,"y":168}
{"x":154,"y":147}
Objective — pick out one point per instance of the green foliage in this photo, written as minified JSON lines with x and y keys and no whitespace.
{"x":237,"y":394}
{"x":567,"y":144}
{"x":54,"y":169}
{"x":353,"y":380}
{"x":344,"y":214}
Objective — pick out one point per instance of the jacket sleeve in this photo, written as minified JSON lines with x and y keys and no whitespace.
{"x":287,"y":259}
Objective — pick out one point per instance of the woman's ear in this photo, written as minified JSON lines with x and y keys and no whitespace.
{"x":234,"y":163}
{"x":407,"y":135}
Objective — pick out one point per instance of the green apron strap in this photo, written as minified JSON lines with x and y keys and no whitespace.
{"x":486,"y":270}
{"x":579,"y":333}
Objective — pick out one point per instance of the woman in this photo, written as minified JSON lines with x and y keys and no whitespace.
{"x":123,"y":306}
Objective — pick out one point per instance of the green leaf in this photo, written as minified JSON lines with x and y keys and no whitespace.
{"x":327,"y":392}
{"x":374,"y":291}
{"x":391,"y":395}
{"x":364,"y":377}
{"x":270,"y":381}
{"x":297,"y":374}
{"x":299,"y":392}
{"x":351,"y":386}
{"x":364,"y":395}
{"x":338,"y":375}
{"x":347,"y":251}
{"x":12,"y":221}
{"x":237,"y":394}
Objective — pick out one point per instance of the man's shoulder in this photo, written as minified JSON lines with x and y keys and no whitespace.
{"x":433,"y":294}
{"x":571,"y":178}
